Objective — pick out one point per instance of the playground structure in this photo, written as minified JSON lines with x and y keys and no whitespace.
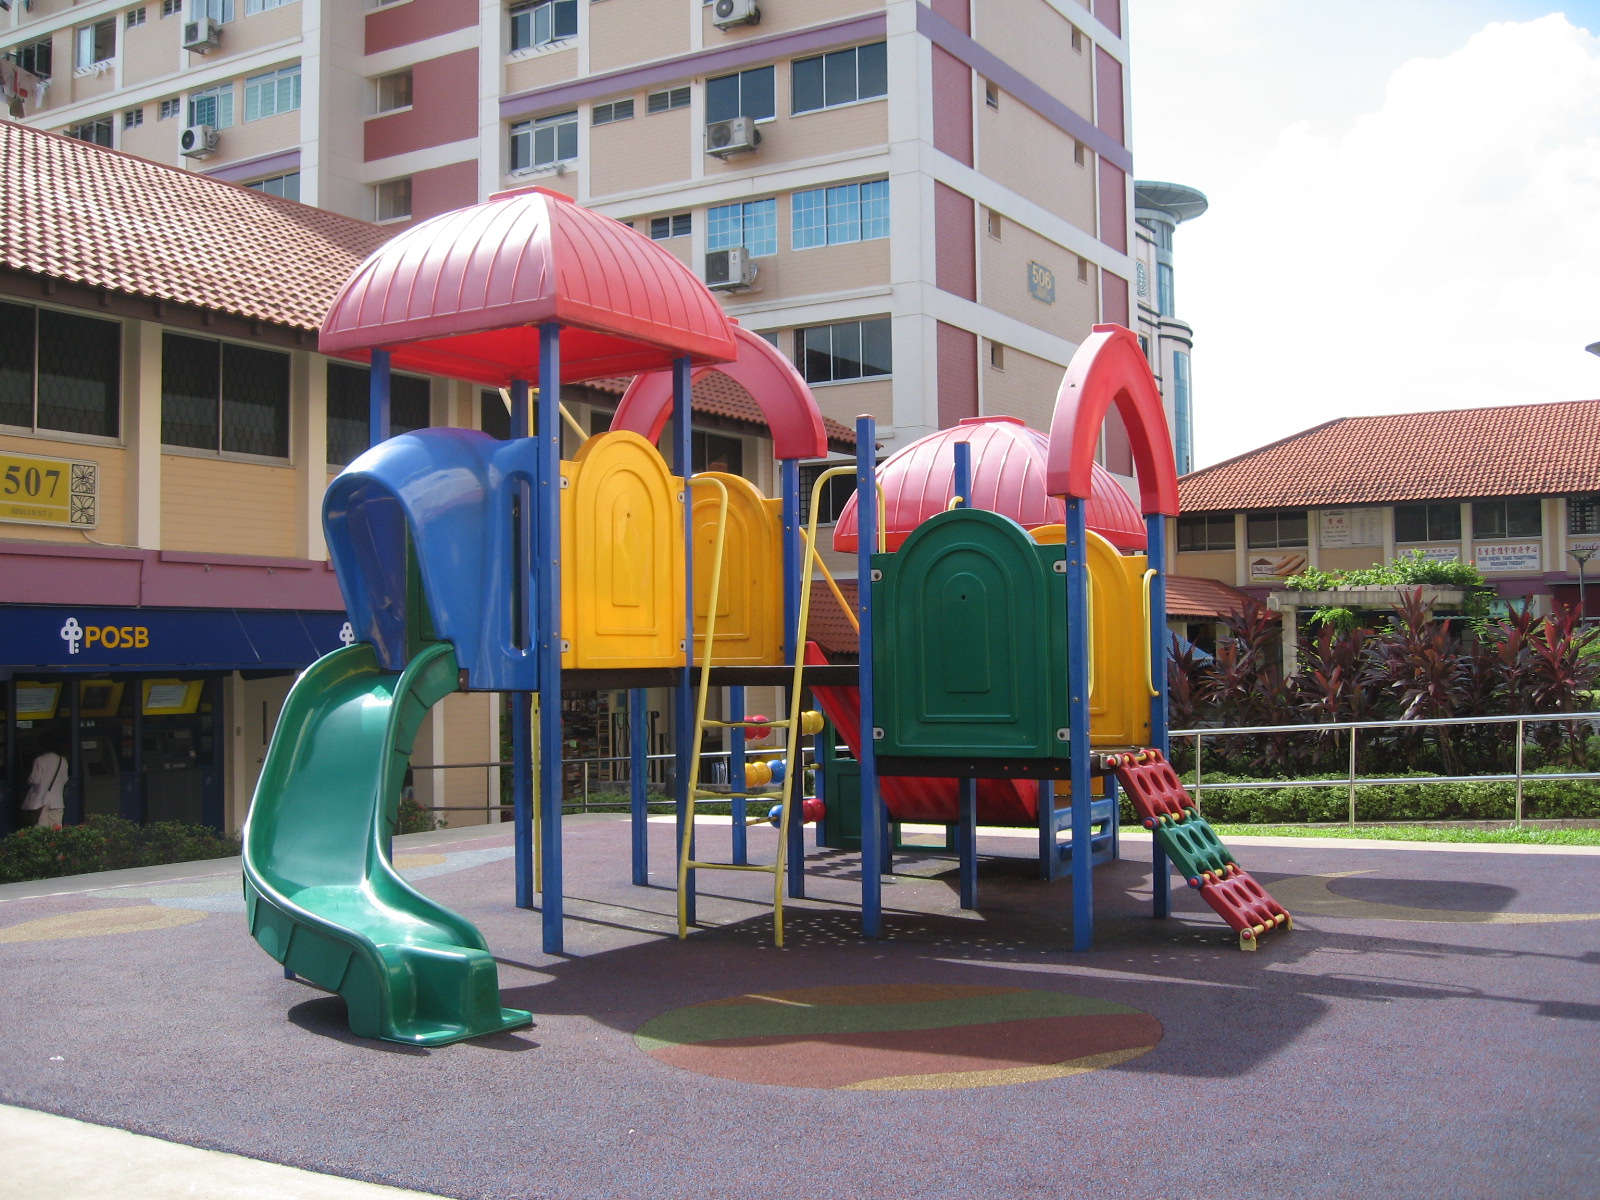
{"x":476,"y":564}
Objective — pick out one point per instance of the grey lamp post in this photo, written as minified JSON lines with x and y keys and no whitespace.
{"x":1583,"y":556}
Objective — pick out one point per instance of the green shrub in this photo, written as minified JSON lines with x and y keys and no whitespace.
{"x":104,"y":843}
{"x":413,"y":818}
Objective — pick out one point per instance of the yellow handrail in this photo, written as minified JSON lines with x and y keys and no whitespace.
{"x":533,"y":398}
{"x":833,"y":585}
{"x":1149,"y":647}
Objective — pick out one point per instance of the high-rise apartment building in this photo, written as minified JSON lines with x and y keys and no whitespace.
{"x":1159,"y":208}
{"x":928,"y":205}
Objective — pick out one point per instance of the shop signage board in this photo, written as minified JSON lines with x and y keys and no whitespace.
{"x":1507,"y":556}
{"x":1440,"y":553}
{"x":74,"y":638}
{"x":35,"y":490}
{"x":1274,"y":566}
{"x":1351,"y":527}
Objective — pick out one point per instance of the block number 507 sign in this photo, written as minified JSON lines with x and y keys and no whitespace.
{"x":49,"y":491}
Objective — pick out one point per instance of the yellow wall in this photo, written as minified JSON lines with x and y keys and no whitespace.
{"x":822,"y":268}
{"x":244,"y":140}
{"x":150,"y":49}
{"x":227,"y":507}
{"x":809,"y":135}
{"x":780,"y":17}
{"x":648,"y":151}
{"x":245,"y":35}
{"x":532,"y":69}
{"x":1208,"y":564}
{"x":112,"y":505}
{"x":844,"y":402}
{"x":1037,"y":40}
{"x":635,"y":32}
{"x":1025,"y":388}
{"x":1003,"y":282}
{"x":1349,"y":558}
{"x":1016,"y":144}
{"x":466,"y":717}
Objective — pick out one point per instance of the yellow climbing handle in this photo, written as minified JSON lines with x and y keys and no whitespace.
{"x":1149,"y":637}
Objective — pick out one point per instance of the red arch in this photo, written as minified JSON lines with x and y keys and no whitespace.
{"x":770,"y":378}
{"x":1110,"y":368}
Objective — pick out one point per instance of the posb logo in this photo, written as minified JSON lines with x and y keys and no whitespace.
{"x":111,"y":637}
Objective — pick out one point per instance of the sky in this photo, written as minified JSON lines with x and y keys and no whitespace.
{"x":1404,"y":203}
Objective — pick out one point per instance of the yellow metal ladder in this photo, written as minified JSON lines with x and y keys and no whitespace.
{"x":792,"y":725}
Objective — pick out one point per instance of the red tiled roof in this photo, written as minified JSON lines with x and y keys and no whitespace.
{"x":1517,"y":450}
{"x":1188,"y":596}
{"x":827,"y":625}
{"x":716,"y":394}
{"x":87,"y":215}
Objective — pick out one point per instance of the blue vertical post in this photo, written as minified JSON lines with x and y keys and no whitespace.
{"x":638,"y":785}
{"x":793,"y":572}
{"x":522,"y":702}
{"x":1078,"y":723}
{"x":378,"y":399}
{"x":963,"y":477}
{"x":967,"y":838}
{"x":1155,"y":526}
{"x":683,"y":697}
{"x":736,"y":777}
{"x":547,"y":580}
{"x":872,"y":832}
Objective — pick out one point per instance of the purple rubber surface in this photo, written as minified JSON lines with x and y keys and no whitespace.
{"x":1350,"y":1057}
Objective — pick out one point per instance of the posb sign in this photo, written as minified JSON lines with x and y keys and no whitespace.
{"x":111,"y":637}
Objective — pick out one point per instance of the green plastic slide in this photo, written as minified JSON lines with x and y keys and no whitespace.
{"x":321,"y":894}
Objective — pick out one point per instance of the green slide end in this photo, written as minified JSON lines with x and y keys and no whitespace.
{"x":321,"y":894}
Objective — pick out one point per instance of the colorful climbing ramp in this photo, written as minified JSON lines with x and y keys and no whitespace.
{"x":1173,"y":816}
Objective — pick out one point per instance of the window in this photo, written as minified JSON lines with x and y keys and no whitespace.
{"x":1275,"y":527}
{"x":836,"y":493}
{"x":994,"y":223}
{"x":1080,"y":153}
{"x":394,"y":91}
{"x":617,"y":110}
{"x":1077,"y":40}
{"x":1165,"y":303}
{"x":544,"y":142}
{"x":997,"y":356}
{"x":493,"y":416}
{"x":133,"y":118}
{"x":843,"y":77}
{"x":223,"y":396}
{"x":1583,"y":513}
{"x":1206,"y":531}
{"x":220,"y":11}
{"x":1083,"y":274}
{"x":991,"y":94}
{"x":716,"y":452}
{"x":753,"y":225}
{"x":350,"y":408}
{"x":97,"y":131}
{"x":1519,"y":518}
{"x":96,"y":44}
{"x":393,"y":199}
{"x":287,"y":186}
{"x":213,"y":107}
{"x":35,"y":57}
{"x":1427,"y":522}
{"x":251,"y":7}
{"x":852,"y":212}
{"x":848,"y":350}
{"x":135,"y":18}
{"x":541,"y":22}
{"x":744,"y":94}
{"x":662,"y":101}
{"x":169,"y":109}
{"x":677,"y":225}
{"x":1182,"y":416}
{"x":59,"y":371}
{"x":273,"y":93}
{"x":171,"y":8}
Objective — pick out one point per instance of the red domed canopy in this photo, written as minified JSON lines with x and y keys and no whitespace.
{"x":463,"y":295}
{"x":1008,"y":477}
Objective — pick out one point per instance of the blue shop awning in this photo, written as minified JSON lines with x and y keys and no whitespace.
{"x":165,"y":639}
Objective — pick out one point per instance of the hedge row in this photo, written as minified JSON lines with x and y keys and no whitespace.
{"x":104,"y":843}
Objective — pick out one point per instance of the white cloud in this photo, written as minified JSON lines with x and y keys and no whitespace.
{"x":1439,"y":250}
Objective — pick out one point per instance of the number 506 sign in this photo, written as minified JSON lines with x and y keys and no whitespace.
{"x":49,"y":491}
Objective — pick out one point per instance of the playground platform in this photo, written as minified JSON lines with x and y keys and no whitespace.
{"x":1426,"y":1029}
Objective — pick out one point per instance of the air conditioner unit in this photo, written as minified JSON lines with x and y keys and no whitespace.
{"x":726,"y":14}
{"x":202,"y":35}
{"x":729,"y":269}
{"x":737,"y":135}
{"x":197,"y":141}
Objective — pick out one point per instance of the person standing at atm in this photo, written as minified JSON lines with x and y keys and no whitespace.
{"x":47,"y":785}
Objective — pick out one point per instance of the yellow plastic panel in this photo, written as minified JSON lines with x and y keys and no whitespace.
{"x":622,"y":556}
{"x":1119,"y":704}
{"x":750,"y":594}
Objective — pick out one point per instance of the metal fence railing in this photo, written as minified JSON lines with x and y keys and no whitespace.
{"x":1354,"y":780}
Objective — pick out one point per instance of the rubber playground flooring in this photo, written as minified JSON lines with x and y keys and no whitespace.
{"x":1428,"y":1029}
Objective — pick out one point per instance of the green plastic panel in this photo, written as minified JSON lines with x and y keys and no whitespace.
{"x":1193,"y":847}
{"x":970,"y":644}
